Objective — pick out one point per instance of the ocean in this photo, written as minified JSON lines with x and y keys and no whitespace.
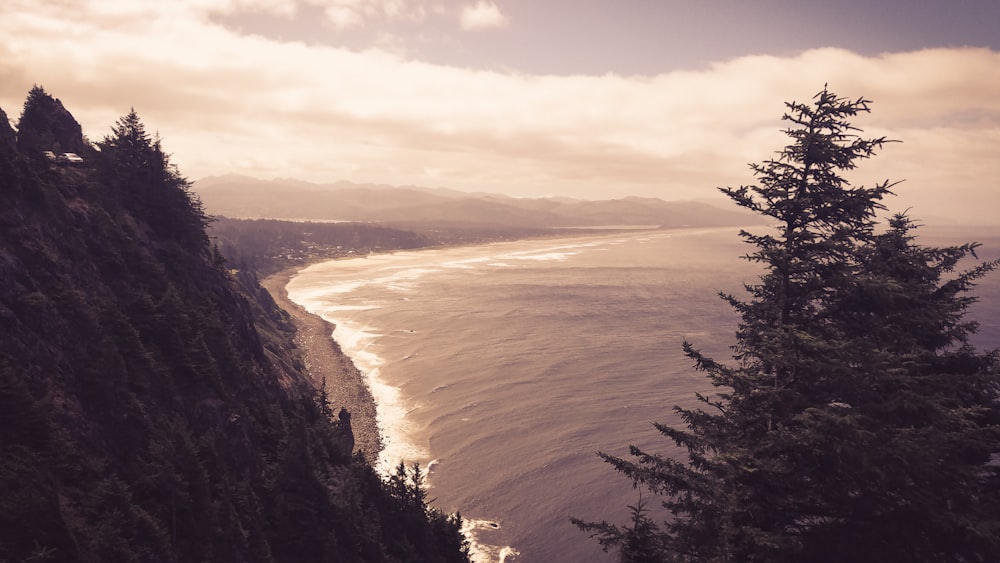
{"x":504,"y":368}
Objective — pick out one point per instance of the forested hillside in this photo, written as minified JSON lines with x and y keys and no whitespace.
{"x":153,"y":406}
{"x":270,"y":245}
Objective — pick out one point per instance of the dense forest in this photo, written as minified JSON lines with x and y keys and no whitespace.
{"x":854,"y":422}
{"x":153,"y":405}
{"x":268,"y":246}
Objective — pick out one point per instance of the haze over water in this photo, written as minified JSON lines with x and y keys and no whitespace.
{"x":505,"y":367}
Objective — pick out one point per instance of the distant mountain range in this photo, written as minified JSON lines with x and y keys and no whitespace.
{"x":245,"y":197}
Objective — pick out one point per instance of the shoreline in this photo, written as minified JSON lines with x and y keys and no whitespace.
{"x":345,"y":385}
{"x":324,"y":359}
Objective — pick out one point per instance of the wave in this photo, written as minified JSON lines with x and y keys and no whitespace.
{"x":391,"y":416}
{"x":483,"y":552}
{"x":340,"y":290}
{"x":390,"y":410}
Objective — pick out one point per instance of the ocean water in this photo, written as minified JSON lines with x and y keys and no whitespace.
{"x":503,"y":368}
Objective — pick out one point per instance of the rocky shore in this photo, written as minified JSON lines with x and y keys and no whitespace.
{"x":325,"y":361}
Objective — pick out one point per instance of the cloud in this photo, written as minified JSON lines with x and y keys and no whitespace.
{"x":349,"y":13}
{"x":230,"y":102}
{"x":481,"y":15}
{"x":341,"y":14}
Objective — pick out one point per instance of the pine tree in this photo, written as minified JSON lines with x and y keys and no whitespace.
{"x":134,"y":163}
{"x":640,"y":542}
{"x":855,"y":422}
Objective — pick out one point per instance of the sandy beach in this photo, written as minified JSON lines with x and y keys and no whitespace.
{"x":345,"y":385}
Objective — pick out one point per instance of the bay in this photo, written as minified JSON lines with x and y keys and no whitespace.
{"x":503,"y":368}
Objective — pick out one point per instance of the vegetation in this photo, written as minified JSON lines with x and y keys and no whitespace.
{"x":855,"y":422}
{"x":45,"y":125}
{"x":267,"y":246}
{"x":153,"y":406}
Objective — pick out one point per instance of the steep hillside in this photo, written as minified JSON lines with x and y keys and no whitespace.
{"x":153,"y":406}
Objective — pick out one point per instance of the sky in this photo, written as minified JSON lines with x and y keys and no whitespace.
{"x":593,"y":99}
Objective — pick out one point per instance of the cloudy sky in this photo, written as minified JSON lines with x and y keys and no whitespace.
{"x":580,"y":98}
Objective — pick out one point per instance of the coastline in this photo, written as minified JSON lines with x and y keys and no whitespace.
{"x":325,"y":361}
{"x":346,"y":385}
{"x":314,"y":336}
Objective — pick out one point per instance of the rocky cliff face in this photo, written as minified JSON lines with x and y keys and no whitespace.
{"x":46,"y":125}
{"x":153,"y":406}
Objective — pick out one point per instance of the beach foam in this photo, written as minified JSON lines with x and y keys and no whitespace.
{"x":482,"y":552}
{"x":391,"y":410}
{"x":352,"y":286}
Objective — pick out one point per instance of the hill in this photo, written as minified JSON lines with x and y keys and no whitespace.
{"x":153,"y":403}
{"x":244,"y":197}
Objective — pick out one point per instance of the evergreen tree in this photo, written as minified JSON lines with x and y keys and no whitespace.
{"x":640,"y":542}
{"x":134,"y":162}
{"x":855,"y":422}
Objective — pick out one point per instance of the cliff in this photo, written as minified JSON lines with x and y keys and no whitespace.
{"x":153,"y":404}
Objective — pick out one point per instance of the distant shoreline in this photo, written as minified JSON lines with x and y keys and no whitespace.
{"x":345,"y":384}
{"x":325,"y":361}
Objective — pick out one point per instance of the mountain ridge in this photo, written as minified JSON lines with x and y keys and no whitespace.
{"x":238,"y":196}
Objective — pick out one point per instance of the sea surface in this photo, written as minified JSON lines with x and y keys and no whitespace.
{"x":503,"y":368}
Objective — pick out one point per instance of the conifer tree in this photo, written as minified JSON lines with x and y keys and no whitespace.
{"x":134,"y":162}
{"x":855,"y":422}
